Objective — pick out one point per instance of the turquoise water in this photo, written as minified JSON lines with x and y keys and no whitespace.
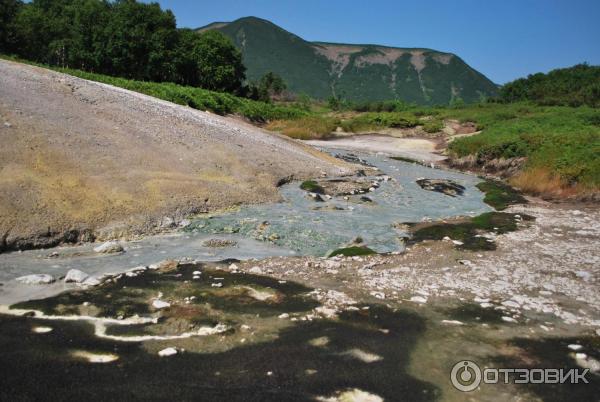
{"x":313,"y":228}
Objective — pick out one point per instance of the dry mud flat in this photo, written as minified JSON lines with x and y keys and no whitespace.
{"x":80,"y":159}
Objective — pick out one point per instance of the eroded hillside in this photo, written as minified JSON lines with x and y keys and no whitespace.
{"x":79,"y":158}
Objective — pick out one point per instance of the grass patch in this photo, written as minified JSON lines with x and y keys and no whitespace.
{"x":305,"y":128}
{"x":433,"y":126}
{"x":374,"y":121}
{"x":352,"y":251}
{"x":499,"y":196}
{"x":312,"y":186}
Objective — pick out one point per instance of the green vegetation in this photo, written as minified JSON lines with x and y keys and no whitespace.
{"x":305,"y":127}
{"x":499,"y":195}
{"x":574,"y":86}
{"x":352,"y":251}
{"x":433,"y":126}
{"x":197,"y":98}
{"x":373,"y":121}
{"x":312,"y":186}
{"x":270,"y":86}
{"x":559,"y":142}
{"x":469,"y":233}
{"x":373,"y":73}
{"x":123,"y":38}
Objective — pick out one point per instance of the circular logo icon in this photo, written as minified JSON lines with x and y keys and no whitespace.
{"x":465,"y":376}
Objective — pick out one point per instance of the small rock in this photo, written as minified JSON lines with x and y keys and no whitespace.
{"x":418,"y":299}
{"x":75,"y":275}
{"x":7,"y":124}
{"x":508,"y":319}
{"x":159,"y":304}
{"x":575,"y":347}
{"x":109,"y":247}
{"x":216,"y":285}
{"x":256,"y":270}
{"x":91,"y":281}
{"x":452,"y":322}
{"x":41,"y":330}
{"x":284,"y":315}
{"x":167,"y":352}
{"x":36,"y":279}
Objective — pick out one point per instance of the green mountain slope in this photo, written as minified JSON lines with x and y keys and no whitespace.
{"x":353,"y":72}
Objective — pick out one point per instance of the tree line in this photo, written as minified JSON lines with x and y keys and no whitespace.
{"x":121,"y":38}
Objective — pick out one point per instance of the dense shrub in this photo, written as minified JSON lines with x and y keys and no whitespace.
{"x":574,"y":86}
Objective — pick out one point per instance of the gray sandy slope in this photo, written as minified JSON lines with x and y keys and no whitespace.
{"x":80,"y":159}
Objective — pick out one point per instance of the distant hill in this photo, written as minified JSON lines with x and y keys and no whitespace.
{"x":353,"y":72}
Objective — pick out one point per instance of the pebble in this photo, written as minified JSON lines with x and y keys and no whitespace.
{"x":418,"y":299}
{"x":159,"y":304}
{"x":167,"y":352}
{"x":452,"y":322}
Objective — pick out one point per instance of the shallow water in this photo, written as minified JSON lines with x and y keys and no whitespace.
{"x":301,"y":227}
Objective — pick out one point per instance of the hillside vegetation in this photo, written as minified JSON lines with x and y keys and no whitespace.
{"x":354,"y":72}
{"x":574,"y":86}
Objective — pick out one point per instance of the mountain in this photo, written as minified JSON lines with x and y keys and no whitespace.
{"x":353,"y":72}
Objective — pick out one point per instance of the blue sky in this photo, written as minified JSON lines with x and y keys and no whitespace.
{"x":503,"y":39}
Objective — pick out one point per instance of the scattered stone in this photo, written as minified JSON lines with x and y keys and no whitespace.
{"x":284,"y":315}
{"x":91,"y":281}
{"x":95,"y":357}
{"x":575,"y":347}
{"x":167,"y":352}
{"x":452,"y":322}
{"x":256,"y":270}
{"x":418,"y":299}
{"x":447,"y":187}
{"x":363,"y":356}
{"x":109,"y":247}
{"x":76,"y":276}
{"x":378,"y":295}
{"x":216,"y":285}
{"x":42,"y":330}
{"x":159,"y":304}
{"x":36,"y":279}
{"x":508,"y":319}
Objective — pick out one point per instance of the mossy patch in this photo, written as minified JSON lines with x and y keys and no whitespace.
{"x":312,"y":186}
{"x":352,"y":251}
{"x":499,"y":195}
{"x":469,"y":231}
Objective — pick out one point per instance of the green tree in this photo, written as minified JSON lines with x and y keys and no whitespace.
{"x":8,"y":35}
{"x":219,"y":63}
